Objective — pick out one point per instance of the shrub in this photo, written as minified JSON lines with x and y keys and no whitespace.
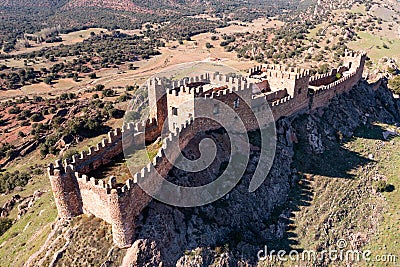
{"x":324,"y":68}
{"x":93,"y":75}
{"x":36,"y":117}
{"x":130,"y":88}
{"x":5,"y":150}
{"x":99,"y":87}
{"x":14,"y":110}
{"x":48,"y":80}
{"x":108,"y":93}
{"x":25,"y":123}
{"x":123,"y":98}
{"x":5,"y":224}
{"x":394,"y":84}
{"x":8,"y":181}
{"x":67,"y":96}
{"x":381,"y":186}
{"x":115,"y":113}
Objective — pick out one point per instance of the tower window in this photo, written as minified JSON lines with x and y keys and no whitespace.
{"x":216,"y":109}
{"x":236,"y":103}
{"x":174,"y":111}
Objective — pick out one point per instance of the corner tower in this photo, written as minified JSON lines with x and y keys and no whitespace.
{"x":354,"y":61}
{"x":65,"y":190}
{"x":157,"y":101}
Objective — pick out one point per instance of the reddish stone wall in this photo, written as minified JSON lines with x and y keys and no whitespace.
{"x":322,"y":96}
{"x":325,"y":79}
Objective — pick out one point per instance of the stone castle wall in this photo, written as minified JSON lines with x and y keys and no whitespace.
{"x":325,"y":93}
{"x":327,"y":78}
{"x":75,"y":193}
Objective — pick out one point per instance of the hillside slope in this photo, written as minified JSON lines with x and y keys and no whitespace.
{"x":32,"y":3}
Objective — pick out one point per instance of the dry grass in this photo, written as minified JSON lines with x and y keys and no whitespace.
{"x":333,"y":208}
{"x":68,"y":39}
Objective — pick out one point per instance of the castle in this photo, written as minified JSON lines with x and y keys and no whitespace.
{"x":286,"y":90}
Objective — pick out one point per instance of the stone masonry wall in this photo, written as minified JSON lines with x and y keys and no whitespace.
{"x":75,"y":193}
{"x":325,"y":79}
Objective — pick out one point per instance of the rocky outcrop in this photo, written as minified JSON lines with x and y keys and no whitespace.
{"x":24,"y":204}
{"x":27,"y":203}
{"x":9,"y":205}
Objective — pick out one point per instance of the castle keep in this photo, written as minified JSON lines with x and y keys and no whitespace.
{"x":287,"y":91}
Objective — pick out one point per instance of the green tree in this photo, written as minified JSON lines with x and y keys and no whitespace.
{"x":5,"y":224}
{"x":93,"y":75}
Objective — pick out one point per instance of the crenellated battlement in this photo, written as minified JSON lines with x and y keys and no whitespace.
{"x":186,"y":90}
{"x":354,"y":54}
{"x":285,"y":90}
{"x":166,"y":149}
{"x":337,"y":83}
{"x":281,"y":101}
{"x":206,"y":84}
{"x":279,"y":71}
{"x":320,"y":79}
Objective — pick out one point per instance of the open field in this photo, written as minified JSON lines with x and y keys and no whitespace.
{"x":373,"y":45}
{"x":256,"y":25}
{"x":383,"y":12}
{"x":68,"y":39}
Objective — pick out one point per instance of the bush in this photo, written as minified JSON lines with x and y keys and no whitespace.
{"x":92,"y":75}
{"x":116,"y":113}
{"x":67,"y":96}
{"x":108,"y":93}
{"x":99,"y":87}
{"x":25,"y":123}
{"x":5,"y":150}
{"x":394,"y":84}
{"x":9,"y":181}
{"x":14,"y":110}
{"x":381,"y":186}
{"x":5,"y":224}
{"x":48,"y":80}
{"x":131,"y":87}
{"x":36,"y":117}
{"x":123,"y":98}
{"x":324,"y":68}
